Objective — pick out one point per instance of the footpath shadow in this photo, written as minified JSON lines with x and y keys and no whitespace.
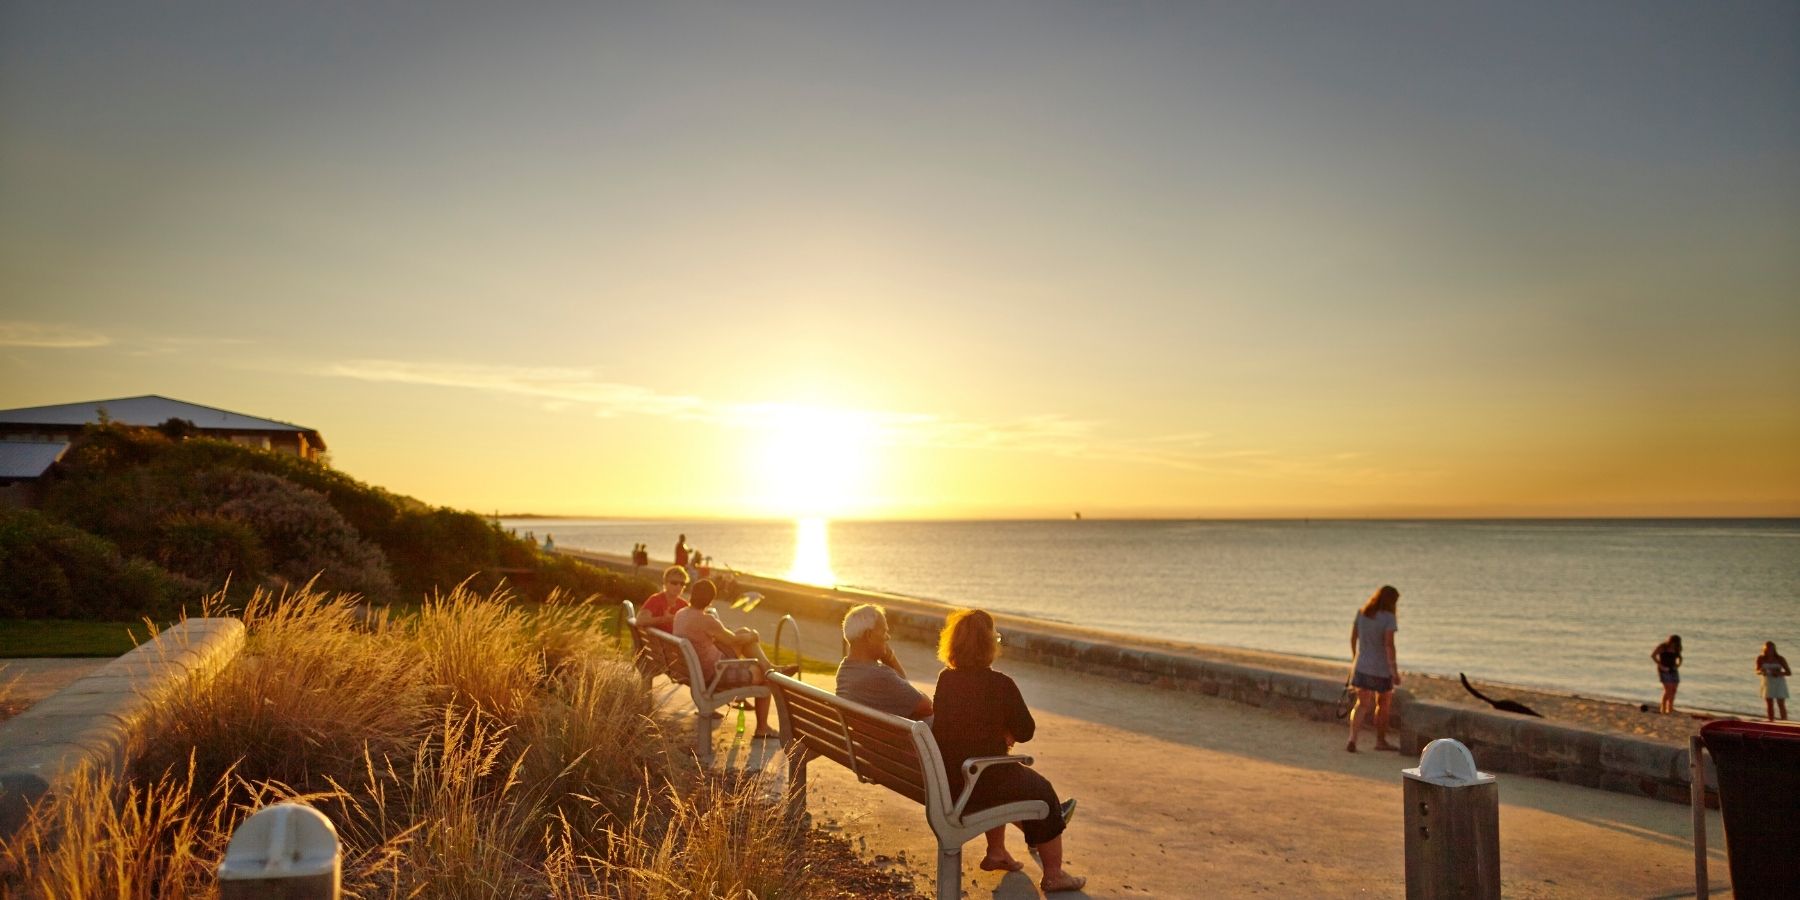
{"x":1161,"y":717}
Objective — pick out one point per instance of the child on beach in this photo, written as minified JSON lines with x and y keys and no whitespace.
{"x":1374,"y":671}
{"x":1773,"y":667}
{"x":1668,"y":669}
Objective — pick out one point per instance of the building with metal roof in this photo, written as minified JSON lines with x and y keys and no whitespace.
{"x":64,"y":421}
{"x":24,"y":460}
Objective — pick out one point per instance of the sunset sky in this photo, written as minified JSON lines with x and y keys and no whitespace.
{"x":932,"y":259}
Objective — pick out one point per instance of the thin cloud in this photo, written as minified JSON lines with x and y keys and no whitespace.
{"x":555,"y":385}
{"x":49,"y":336}
{"x":168,"y":345}
{"x":567,"y":389}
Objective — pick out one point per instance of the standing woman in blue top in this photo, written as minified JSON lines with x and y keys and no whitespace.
{"x":1375,"y":673}
{"x":1668,"y":670}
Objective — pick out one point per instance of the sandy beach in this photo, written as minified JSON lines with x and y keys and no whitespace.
{"x":1599,"y":713}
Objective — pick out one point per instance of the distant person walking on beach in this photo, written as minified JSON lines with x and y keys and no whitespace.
{"x":1374,"y":673}
{"x":980,"y":712}
{"x":681,"y":551}
{"x":1668,"y":670}
{"x":1773,"y":667}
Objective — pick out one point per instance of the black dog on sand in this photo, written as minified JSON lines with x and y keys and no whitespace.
{"x":1511,"y":706}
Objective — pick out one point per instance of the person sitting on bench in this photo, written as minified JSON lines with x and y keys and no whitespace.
{"x":659,"y":609}
{"x":712,"y":642}
{"x":871,"y":674}
{"x":980,"y":712}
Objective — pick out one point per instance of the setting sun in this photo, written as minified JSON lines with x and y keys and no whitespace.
{"x":809,"y":461}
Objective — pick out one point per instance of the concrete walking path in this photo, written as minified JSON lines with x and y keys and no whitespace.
{"x":1184,"y":795}
{"x":33,"y":679}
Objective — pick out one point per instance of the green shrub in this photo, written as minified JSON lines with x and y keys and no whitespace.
{"x":434,"y":549}
{"x":212,"y":549}
{"x":144,"y":489}
{"x":304,"y":535}
{"x":575,"y":578}
{"x":49,"y":570}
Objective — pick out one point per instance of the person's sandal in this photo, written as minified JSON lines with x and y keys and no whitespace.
{"x":1068,"y":811}
{"x":1066,"y":883}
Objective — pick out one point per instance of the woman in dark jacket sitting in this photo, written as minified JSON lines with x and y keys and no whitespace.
{"x":979,"y":712}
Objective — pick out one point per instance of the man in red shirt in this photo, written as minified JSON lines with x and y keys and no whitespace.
{"x":660,"y":608}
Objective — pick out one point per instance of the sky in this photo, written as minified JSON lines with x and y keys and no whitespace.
{"x":932,"y":260}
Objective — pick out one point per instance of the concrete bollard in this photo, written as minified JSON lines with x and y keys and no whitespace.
{"x":1452,"y":826}
{"x":288,"y":851}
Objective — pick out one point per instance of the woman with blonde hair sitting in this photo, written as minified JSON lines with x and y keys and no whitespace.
{"x":980,"y":712}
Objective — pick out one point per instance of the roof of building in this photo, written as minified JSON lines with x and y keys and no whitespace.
{"x":29,"y":459}
{"x":148,"y":410}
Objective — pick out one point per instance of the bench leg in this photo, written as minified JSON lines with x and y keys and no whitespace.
{"x":949,"y":880}
{"x":703,"y":737}
{"x":796,"y":797}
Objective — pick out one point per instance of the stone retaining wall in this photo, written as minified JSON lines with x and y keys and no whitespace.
{"x":94,"y":720}
{"x":1501,"y":742}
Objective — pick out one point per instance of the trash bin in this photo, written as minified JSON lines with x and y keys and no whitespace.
{"x":1759,"y":797}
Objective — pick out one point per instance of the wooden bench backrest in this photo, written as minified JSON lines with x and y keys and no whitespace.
{"x":879,"y":748}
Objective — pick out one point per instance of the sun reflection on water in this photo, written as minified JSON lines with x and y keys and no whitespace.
{"x":812,"y":553}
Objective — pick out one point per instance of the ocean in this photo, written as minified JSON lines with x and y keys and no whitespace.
{"x":1565,"y":605}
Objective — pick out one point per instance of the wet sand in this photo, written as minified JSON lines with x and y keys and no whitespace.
{"x":1603,"y":714}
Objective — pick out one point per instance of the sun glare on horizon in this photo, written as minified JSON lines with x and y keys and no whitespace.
{"x":812,"y":553}
{"x":810,"y":462}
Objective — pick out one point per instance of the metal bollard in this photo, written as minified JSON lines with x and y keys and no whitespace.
{"x":1452,"y":826}
{"x":1697,"y":808}
{"x":288,"y":851}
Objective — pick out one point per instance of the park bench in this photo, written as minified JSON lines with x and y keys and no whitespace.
{"x":898,"y":754}
{"x":661,"y":653}
{"x":647,"y":658}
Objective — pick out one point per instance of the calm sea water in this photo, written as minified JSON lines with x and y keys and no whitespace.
{"x":1564,"y":605}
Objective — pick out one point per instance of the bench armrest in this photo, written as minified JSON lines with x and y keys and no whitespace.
{"x":972,"y":769}
{"x":719,"y":670}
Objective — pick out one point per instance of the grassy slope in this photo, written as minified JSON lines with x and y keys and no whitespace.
{"x":60,"y":637}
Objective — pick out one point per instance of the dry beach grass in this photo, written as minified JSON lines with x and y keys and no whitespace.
{"x":480,"y":748}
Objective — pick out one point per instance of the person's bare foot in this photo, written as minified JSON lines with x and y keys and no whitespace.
{"x":1000,"y":864}
{"x":1063,"y":882}
{"x":1350,"y":747}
